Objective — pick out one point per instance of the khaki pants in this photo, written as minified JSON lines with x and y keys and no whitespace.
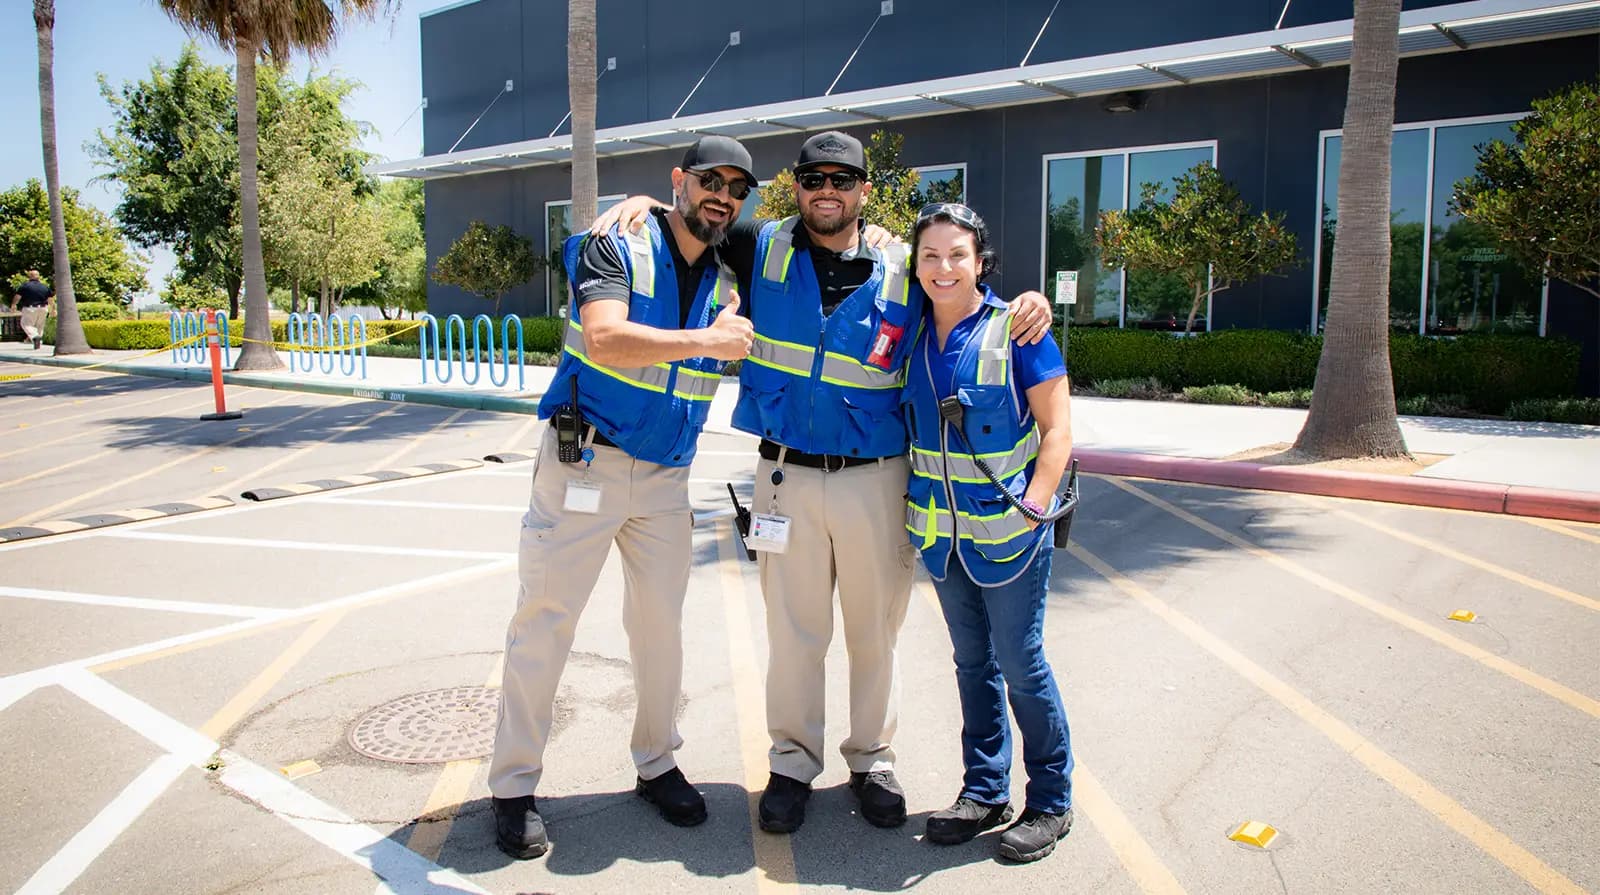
{"x":33,"y":321}
{"x":644,"y":510}
{"x":848,"y":528}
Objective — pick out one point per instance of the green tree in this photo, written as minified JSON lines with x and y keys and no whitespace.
{"x":1352,"y":405}
{"x":402,"y":281}
{"x":185,"y":296}
{"x":893,"y":204}
{"x":489,"y":262}
{"x":1540,"y":197}
{"x":69,"y":329}
{"x":1203,"y":238}
{"x":104,"y":268}
{"x":253,"y":29}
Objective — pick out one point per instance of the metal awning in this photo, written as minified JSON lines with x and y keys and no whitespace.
{"x":1459,"y":26}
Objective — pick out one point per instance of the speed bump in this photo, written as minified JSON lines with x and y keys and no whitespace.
{"x":511,"y":456}
{"x":119,"y":517}
{"x":1254,"y":833}
{"x":366,"y":478}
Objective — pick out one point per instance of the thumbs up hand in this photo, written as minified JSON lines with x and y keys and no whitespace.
{"x":729,"y":336}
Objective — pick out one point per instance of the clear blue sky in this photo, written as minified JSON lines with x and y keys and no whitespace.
{"x":121,"y":38}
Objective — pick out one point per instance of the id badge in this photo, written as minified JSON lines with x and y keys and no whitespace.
{"x":768,"y":533}
{"x":582,"y":497}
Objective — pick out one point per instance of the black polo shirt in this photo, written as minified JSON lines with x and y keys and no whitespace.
{"x":602,"y":275}
{"x":838,"y":274}
{"x":34,"y":294}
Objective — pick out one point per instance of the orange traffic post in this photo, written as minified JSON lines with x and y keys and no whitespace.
{"x":214,"y":344}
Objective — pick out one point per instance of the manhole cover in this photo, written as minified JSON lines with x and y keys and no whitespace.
{"x":439,"y":725}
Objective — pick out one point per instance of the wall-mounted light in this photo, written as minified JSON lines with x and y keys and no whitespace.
{"x":1118,"y":103}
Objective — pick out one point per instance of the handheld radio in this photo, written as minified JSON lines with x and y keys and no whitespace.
{"x":568,"y":421}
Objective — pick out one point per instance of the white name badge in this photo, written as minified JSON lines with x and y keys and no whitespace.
{"x":769,"y":534}
{"x":583,"y":497}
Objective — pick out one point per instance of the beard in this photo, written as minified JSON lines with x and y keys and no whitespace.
{"x":849,"y":212}
{"x":700,"y":228}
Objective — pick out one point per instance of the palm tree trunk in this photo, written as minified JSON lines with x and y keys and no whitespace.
{"x":1352,"y":407}
{"x":69,"y":330}
{"x":258,"y":354}
{"x":581,"y":91}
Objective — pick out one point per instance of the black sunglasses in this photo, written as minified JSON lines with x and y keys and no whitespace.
{"x":843,"y":181}
{"x":960,"y":214}
{"x":712,"y":182}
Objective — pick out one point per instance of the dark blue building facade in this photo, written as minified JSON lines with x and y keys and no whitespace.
{"x":1112,"y":96}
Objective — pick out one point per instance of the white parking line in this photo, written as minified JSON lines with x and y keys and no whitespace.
{"x":270,"y":543}
{"x":61,"y":596}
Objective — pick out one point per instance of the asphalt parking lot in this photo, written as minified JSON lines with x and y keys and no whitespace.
{"x":1226,"y":656}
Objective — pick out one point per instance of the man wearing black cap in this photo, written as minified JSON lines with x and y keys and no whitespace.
{"x":653,"y":317}
{"x":834,"y":321}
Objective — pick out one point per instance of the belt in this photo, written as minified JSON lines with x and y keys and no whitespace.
{"x":597,"y":437}
{"x":824,"y":462}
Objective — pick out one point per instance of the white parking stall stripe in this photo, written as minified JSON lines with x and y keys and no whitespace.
{"x":61,"y":596}
{"x":378,"y":549}
{"x":89,"y":843}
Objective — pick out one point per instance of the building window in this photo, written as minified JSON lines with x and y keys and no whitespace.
{"x":557,"y":227}
{"x":942,"y":183}
{"x":1445,"y":274}
{"x":747,"y":212}
{"x":1080,"y":185}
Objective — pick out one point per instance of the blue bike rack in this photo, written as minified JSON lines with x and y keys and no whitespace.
{"x":483,"y":346}
{"x":326,"y":345}
{"x":192,"y":325}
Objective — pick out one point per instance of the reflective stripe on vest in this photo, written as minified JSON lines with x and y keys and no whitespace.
{"x":644,"y":262}
{"x":837,"y":369}
{"x":932,"y":522}
{"x":994,"y":352}
{"x":964,"y":467}
{"x":652,"y":378}
{"x":780,"y":251}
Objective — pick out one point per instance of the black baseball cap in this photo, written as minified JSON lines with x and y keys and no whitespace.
{"x":717,"y":152}
{"x":832,"y":148}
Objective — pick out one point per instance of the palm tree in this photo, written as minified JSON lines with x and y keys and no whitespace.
{"x":1352,"y":407}
{"x":69,"y":330}
{"x":252,"y":29}
{"x":581,"y":95}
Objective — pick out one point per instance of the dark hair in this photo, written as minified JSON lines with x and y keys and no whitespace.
{"x":966,"y":219}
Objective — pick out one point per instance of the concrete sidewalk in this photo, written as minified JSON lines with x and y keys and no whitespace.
{"x":1484,"y":460}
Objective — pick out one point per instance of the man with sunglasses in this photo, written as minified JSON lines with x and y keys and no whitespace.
{"x":834,"y":322}
{"x":653,"y":317}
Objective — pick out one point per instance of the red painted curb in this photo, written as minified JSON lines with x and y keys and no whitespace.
{"x":1483,"y":497}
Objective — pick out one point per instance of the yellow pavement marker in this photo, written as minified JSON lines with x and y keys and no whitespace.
{"x":1560,"y":692}
{"x":1463,"y":615}
{"x":1254,"y":832}
{"x":1491,"y":841}
{"x":300,"y":769}
{"x":775,"y":871}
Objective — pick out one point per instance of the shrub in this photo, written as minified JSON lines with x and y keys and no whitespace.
{"x":1220,"y":394}
{"x":1433,"y":405}
{"x":127,"y":335}
{"x":1487,"y":372}
{"x":543,"y":334}
{"x":1147,"y":388}
{"x":1096,"y":354}
{"x":1556,"y":410}
{"x":99,"y":310}
{"x":1299,"y":397}
{"x":1263,"y":360}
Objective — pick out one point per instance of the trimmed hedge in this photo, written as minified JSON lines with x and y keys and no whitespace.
{"x":1488,"y":371}
{"x":99,"y":310}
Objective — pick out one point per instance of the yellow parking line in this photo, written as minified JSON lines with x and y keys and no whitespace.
{"x":256,"y":472}
{"x":1491,"y":841}
{"x":246,"y":699}
{"x":54,"y":420}
{"x":186,"y":458}
{"x":1091,"y":800}
{"x":412,"y":443}
{"x":432,"y":826}
{"x":775,"y":871}
{"x":1559,"y":528}
{"x":1516,"y":672}
{"x":1458,"y":556}
{"x":514,"y":443}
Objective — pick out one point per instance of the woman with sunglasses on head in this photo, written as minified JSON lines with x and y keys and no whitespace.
{"x":986,"y":413}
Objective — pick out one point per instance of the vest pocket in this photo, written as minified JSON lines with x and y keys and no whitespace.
{"x":1000,"y":533}
{"x":868,"y":413}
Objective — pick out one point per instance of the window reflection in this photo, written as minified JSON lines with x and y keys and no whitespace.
{"x":942,"y":184}
{"x":1157,"y":300}
{"x":1408,"y":201}
{"x":558,"y":226}
{"x":1077,"y":189}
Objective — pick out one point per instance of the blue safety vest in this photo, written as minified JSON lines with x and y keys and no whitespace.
{"x":653,"y":413}
{"x":993,"y":536}
{"x":825,"y":385}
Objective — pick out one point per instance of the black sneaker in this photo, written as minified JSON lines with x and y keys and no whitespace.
{"x":783,"y":804}
{"x":1035,"y":835}
{"x":964,"y":820}
{"x":681,"y":804}
{"x":883,"y":802}
{"x":518,"y":828}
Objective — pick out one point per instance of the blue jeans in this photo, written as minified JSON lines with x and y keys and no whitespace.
{"x":998,"y":633}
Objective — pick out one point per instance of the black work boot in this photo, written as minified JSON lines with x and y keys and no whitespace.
{"x":783,"y":804}
{"x":518,"y":828}
{"x":883,"y":802}
{"x":1035,"y":835}
{"x":964,"y":820}
{"x":681,"y":804}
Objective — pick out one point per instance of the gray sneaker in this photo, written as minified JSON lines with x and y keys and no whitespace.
{"x":518,"y":828}
{"x":964,"y":820}
{"x":1035,"y":835}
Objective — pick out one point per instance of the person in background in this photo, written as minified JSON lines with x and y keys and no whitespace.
{"x":35,"y":299}
{"x":991,"y":434}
